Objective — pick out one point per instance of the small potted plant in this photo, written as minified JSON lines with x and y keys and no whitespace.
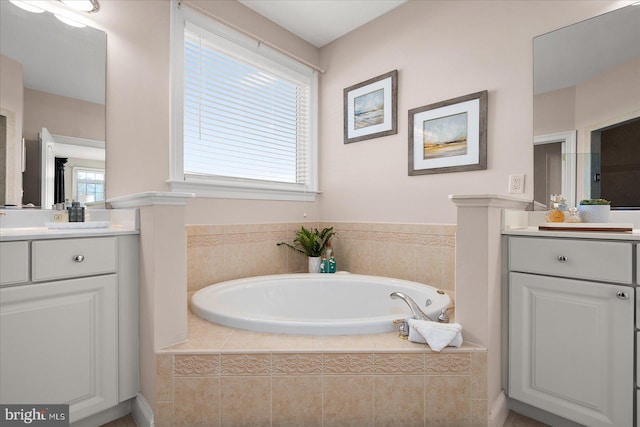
{"x":594,"y":210}
{"x":312,"y":244}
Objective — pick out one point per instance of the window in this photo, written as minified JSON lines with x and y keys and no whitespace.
{"x":88,"y":185}
{"x":244,"y":115}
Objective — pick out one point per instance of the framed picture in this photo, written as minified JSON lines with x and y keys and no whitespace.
{"x":449,"y":136}
{"x":371,"y":108}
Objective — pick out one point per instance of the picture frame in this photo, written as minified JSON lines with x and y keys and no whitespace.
{"x":371,"y":108}
{"x":449,"y":136}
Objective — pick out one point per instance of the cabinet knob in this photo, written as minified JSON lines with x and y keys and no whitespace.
{"x":622,"y":295}
{"x":78,"y":258}
{"x":562,"y":258}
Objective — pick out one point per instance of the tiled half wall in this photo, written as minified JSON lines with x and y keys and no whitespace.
{"x":424,"y":253}
{"x":322,"y":389}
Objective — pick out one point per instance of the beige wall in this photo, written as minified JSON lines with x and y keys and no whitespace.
{"x":436,"y":61}
{"x":11,"y":106}
{"x":62,"y":116}
{"x":442,"y":50}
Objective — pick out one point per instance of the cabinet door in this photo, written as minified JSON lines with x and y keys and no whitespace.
{"x":571,"y":348}
{"x":59,"y":344}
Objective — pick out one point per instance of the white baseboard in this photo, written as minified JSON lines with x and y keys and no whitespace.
{"x":105,"y":416}
{"x":499,"y":411}
{"x":142,"y":412}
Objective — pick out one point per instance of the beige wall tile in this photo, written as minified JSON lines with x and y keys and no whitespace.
{"x":164,"y":377}
{"x":163,"y":414}
{"x":479,"y":413}
{"x":245,"y":401}
{"x":478,"y":375}
{"x":296,"y":364}
{"x":399,"y":363}
{"x":447,"y":363}
{"x":391,"y":260}
{"x":196,"y":365}
{"x":348,"y":363}
{"x":428,"y":265}
{"x":405,"y":251}
{"x":449,"y":268}
{"x":348,"y":401}
{"x":205,"y":266}
{"x":297,"y":401}
{"x":196,"y":401}
{"x":399,"y":400}
{"x":245,"y":364}
{"x":447,"y":400}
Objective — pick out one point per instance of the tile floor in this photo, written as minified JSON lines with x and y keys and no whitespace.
{"x":513,"y":420}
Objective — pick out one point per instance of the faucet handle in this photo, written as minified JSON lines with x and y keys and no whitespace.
{"x":403,"y":328}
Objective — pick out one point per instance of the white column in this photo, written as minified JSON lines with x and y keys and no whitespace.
{"x":163,"y":276}
{"x":478,"y":283}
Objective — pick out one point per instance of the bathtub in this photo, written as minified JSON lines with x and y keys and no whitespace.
{"x":314,"y":304}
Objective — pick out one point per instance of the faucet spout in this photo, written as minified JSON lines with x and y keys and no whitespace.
{"x":415,"y":310}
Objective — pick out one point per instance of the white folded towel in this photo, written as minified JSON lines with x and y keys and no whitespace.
{"x":437,"y":335}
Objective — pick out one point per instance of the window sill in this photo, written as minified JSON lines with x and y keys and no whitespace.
{"x":229,"y":189}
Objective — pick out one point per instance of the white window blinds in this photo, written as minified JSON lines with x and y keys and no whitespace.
{"x":245,"y":117}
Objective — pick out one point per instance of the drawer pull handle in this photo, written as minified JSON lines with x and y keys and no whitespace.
{"x":622,"y":295}
{"x":562,"y":258}
{"x":78,"y":258}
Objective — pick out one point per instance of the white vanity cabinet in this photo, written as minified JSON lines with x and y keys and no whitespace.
{"x":68,"y":323}
{"x":571,"y":328}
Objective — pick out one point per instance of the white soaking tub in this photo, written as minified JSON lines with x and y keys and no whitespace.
{"x":314,"y":304}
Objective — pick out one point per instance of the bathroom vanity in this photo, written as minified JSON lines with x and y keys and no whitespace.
{"x":69,"y":317}
{"x":571,"y":337}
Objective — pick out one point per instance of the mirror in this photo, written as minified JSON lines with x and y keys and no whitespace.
{"x":62,"y":70}
{"x":587,"y":110}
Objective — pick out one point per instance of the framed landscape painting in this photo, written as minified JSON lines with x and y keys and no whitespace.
{"x":449,"y":136}
{"x":371,"y":107}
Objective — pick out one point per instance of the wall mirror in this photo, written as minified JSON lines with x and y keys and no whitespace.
{"x":63,"y":122}
{"x":587,"y":110}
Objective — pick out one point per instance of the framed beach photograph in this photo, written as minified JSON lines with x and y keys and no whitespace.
{"x":371,"y":108}
{"x":449,"y":136}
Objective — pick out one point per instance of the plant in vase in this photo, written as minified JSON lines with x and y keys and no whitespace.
{"x":311,"y":243}
{"x":594,"y":210}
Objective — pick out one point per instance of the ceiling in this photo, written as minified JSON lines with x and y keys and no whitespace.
{"x":321,"y":21}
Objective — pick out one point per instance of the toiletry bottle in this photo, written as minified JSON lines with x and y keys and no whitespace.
{"x":323,"y":264}
{"x":332,"y":262}
{"x":556,"y":213}
{"x":573,"y":216}
{"x":76,"y":212}
{"x":327,"y":256}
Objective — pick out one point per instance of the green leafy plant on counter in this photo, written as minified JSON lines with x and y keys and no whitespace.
{"x":310,"y":242}
{"x":595,"y":202}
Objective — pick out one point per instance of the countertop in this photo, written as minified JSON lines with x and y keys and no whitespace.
{"x":37,"y":233}
{"x":32,"y":224}
{"x":600,"y":235}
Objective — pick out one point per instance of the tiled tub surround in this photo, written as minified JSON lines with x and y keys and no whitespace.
{"x":423,"y":253}
{"x":229,"y":377}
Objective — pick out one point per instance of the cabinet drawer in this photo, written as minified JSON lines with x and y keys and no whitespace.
{"x":581,"y":259}
{"x":14,"y":263}
{"x":55,"y":259}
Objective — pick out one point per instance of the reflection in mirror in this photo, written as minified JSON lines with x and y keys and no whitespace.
{"x":61,"y":73}
{"x":587,"y":82}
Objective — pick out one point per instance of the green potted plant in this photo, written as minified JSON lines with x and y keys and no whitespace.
{"x":594,"y":210}
{"x":312,"y":244}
